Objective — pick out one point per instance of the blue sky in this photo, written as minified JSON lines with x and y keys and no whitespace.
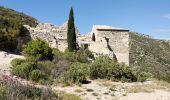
{"x":151,"y":17}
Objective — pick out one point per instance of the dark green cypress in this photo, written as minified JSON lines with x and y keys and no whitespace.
{"x":71,"y":34}
{"x":93,"y":37}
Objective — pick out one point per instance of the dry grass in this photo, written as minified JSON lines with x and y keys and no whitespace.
{"x":160,"y":85}
{"x":78,"y":91}
{"x":140,"y":88}
{"x":105,"y":83}
{"x":155,"y":85}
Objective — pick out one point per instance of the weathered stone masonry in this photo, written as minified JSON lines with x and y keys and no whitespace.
{"x":110,"y":41}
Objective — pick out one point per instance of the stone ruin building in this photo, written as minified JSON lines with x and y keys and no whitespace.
{"x":102,"y":40}
{"x":56,"y":36}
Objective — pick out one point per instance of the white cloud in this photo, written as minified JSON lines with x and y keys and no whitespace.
{"x":167,"y":16}
{"x":165,"y":30}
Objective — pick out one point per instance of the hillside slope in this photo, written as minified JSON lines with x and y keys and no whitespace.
{"x":11,"y":23}
{"x":151,"y":55}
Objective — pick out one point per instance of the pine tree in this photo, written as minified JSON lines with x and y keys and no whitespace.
{"x":71,"y":34}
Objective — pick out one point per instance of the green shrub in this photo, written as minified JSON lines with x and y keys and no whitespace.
{"x":123,"y":73}
{"x":31,"y":59}
{"x":60,"y":68}
{"x":66,"y":55}
{"x":3,"y":92}
{"x":57,"y":52}
{"x":32,"y":92}
{"x":83,"y":55}
{"x":143,"y":76}
{"x":46,"y":67}
{"x":70,"y":56}
{"x":77,"y":73}
{"x":17,"y":61}
{"x":35,"y":75}
{"x":17,"y":70}
{"x":105,"y":68}
{"x":101,"y":67}
{"x":38,"y":49}
{"x":140,"y":75}
{"x":23,"y":69}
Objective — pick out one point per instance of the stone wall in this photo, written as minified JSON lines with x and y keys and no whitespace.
{"x":110,"y":41}
{"x":119,"y":43}
{"x":56,"y":36}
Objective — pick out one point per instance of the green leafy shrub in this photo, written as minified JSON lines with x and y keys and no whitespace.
{"x":77,"y":73}
{"x":60,"y":68}
{"x":123,"y":73}
{"x":69,"y":56}
{"x":17,"y":70}
{"x":66,"y":55}
{"x":38,"y":49}
{"x":101,"y":68}
{"x":3,"y":92}
{"x":83,"y":55}
{"x":57,"y":52}
{"x":35,"y":75}
{"x":46,"y":67}
{"x":17,"y":61}
{"x":140,"y":75}
{"x":105,"y":68}
{"x":31,"y":59}
{"x":23,"y":69}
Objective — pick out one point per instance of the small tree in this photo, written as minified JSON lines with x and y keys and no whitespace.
{"x":39,"y":49}
{"x":71,"y":34}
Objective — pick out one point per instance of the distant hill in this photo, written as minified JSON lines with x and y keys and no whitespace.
{"x":11,"y":27}
{"x":151,"y":55}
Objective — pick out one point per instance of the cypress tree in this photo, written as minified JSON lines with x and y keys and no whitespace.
{"x":71,"y":34}
{"x":93,"y":37}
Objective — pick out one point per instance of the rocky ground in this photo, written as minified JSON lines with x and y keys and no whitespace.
{"x":103,"y":89}
{"x":108,"y":90}
{"x":5,"y":59}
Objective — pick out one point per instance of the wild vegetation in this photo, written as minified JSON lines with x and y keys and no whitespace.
{"x":11,"y":28}
{"x":69,"y":67}
{"x":12,"y":89}
{"x":150,"y":55}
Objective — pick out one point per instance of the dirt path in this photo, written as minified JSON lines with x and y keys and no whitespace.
{"x":107,"y":90}
{"x":5,"y":59}
{"x":157,"y":95}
